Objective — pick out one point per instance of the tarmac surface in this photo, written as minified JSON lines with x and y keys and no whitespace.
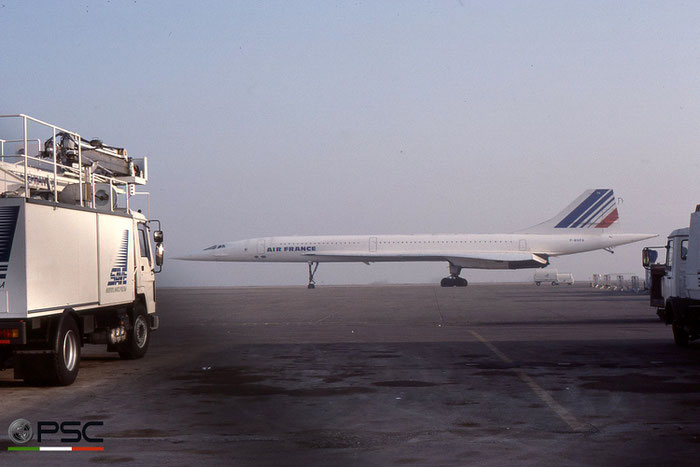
{"x":383,"y":375}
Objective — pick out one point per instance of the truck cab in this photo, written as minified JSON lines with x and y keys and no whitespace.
{"x":674,"y":287}
{"x":146,"y":263}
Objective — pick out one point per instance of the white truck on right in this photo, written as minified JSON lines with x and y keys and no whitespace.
{"x":675,"y":283}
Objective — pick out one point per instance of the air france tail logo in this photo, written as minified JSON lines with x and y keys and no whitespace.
{"x":118,"y":274}
{"x":598,"y":210}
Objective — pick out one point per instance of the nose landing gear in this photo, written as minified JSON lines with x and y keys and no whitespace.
{"x":312,"y":270}
{"x":453,"y":280}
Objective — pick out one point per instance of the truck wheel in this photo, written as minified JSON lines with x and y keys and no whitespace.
{"x":538,"y":283}
{"x":680,"y":336}
{"x":138,"y":338}
{"x":554,"y":283}
{"x":62,"y":366}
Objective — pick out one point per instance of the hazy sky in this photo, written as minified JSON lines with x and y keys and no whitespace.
{"x":274,"y":118}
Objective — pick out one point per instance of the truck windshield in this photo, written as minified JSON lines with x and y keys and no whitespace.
{"x":669,"y":254}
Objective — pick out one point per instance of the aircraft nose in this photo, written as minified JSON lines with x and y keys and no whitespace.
{"x":195,"y":256}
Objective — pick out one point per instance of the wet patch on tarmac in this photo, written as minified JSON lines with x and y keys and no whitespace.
{"x":639,"y":383}
{"x":496,"y":373}
{"x":100,"y":416}
{"x":412,"y":460}
{"x":459,"y":403}
{"x":496,"y":366}
{"x":468,"y":424}
{"x":111,"y":460}
{"x":336,"y":439}
{"x":345,"y":374}
{"x":406,"y":384}
{"x":139,"y":433}
{"x":221,"y":375}
{"x":325,"y":392}
{"x":235,"y":381}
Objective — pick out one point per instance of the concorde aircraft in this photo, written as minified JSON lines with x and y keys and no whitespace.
{"x":589,"y":223}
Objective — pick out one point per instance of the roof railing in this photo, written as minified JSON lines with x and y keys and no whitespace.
{"x":83,"y":174}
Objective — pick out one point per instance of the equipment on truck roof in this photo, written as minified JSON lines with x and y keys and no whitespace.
{"x":106,"y":160}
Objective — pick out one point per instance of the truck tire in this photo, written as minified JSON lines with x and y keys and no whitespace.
{"x":538,"y":283}
{"x":138,"y":337}
{"x":59,"y":368}
{"x":680,"y":336}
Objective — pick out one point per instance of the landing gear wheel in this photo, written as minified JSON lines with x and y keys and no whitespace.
{"x":680,"y":336}
{"x":453,"y":281}
{"x":138,"y":337}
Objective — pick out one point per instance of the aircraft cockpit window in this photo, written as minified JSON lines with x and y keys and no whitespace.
{"x":210,"y":248}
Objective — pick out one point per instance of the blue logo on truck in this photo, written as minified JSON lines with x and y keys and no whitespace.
{"x":118,"y":274}
{"x":8,"y":222}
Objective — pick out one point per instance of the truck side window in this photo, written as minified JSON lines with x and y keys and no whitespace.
{"x":143,"y":242}
{"x":684,"y":249}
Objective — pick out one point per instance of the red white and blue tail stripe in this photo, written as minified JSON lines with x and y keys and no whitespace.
{"x":597,"y":210}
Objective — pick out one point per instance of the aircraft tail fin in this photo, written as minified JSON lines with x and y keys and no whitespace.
{"x":594,"y":209}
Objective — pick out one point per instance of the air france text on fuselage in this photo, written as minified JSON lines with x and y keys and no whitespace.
{"x":290,"y":249}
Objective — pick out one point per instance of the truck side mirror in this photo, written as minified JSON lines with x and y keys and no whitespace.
{"x":158,"y":236}
{"x":159,"y":254}
{"x":646,"y":258}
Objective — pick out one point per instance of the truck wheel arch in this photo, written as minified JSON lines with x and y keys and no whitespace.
{"x":139,"y":302}
{"x":68,"y":313}
{"x":131,"y":349}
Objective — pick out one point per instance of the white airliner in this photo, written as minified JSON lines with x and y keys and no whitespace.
{"x":588,"y":223}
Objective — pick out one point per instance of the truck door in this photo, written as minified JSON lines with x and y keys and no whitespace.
{"x":145,"y":275}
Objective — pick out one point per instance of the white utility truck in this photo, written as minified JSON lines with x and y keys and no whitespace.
{"x":675,"y":284}
{"x":76,"y":262}
{"x":553,"y":276}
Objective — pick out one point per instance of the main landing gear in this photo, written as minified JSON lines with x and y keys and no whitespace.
{"x":453,"y":280}
{"x":312,"y":270}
